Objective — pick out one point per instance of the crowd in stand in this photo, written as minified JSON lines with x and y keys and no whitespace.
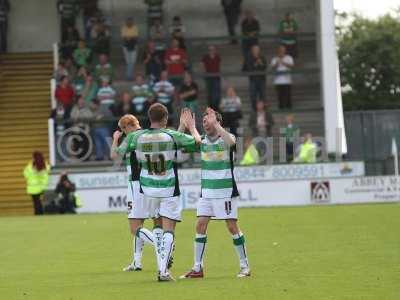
{"x":86,"y":92}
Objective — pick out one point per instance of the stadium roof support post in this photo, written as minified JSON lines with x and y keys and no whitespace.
{"x":335,"y":134}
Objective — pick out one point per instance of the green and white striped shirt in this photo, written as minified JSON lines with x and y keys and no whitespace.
{"x":217,"y":178}
{"x":156,"y":150}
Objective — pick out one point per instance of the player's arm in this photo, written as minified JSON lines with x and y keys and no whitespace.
{"x":190,"y":122}
{"x":114,"y":147}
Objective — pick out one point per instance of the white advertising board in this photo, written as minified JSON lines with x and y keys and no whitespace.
{"x":106,"y":192}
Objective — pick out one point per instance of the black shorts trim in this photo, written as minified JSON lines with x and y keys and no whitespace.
{"x":171,"y":219}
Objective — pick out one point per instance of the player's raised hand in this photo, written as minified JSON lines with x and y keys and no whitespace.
{"x":116,"y":135}
{"x":190,"y":119}
{"x":182,"y":120}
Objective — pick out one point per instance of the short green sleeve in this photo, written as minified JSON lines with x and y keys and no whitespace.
{"x":185,"y":142}
{"x":128,"y":144}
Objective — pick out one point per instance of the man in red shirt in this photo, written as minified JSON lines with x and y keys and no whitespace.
{"x":211,"y":63}
{"x":65,"y":95}
{"x":175,"y":59}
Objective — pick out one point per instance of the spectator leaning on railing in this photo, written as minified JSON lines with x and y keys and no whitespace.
{"x":257,"y":83}
{"x":211,"y":65}
{"x":129,"y":36}
{"x":282,"y":65}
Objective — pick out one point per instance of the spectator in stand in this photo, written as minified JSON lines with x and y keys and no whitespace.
{"x":175,"y":60}
{"x":81,"y":111}
{"x":188,"y":93}
{"x":250,"y":32}
{"x":141,"y":91}
{"x":4,"y":10}
{"x":158,"y":35}
{"x":291,"y":132}
{"x":36,"y":174}
{"x":129,"y":36}
{"x":70,"y":67}
{"x":69,"y":42}
{"x":211,"y":64}
{"x":89,"y":90}
{"x":81,"y":114}
{"x":262,"y":121}
{"x":68,"y":10}
{"x":100,"y":36}
{"x":100,"y":129}
{"x":106,"y":94}
{"x":307,"y":152}
{"x":282,"y":65}
{"x":104,"y":70}
{"x":232,"y":13}
{"x":89,"y":9}
{"x":288,"y":29}
{"x":60,"y":72}
{"x":79,"y":80}
{"x":123,"y":106}
{"x":65,"y":190}
{"x":231,"y":110}
{"x":256,"y":63}
{"x":152,"y":62}
{"x":164,"y":91}
{"x":82,"y":54}
{"x":154,"y":10}
{"x":65,"y":95}
{"x":177,"y":31}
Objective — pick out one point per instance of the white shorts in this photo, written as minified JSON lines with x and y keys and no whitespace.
{"x":138,"y":208}
{"x":218,"y":208}
{"x":169,"y":207}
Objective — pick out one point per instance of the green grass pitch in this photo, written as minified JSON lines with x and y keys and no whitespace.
{"x":322,"y":252}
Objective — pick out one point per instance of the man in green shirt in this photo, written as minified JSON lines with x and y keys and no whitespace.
{"x":288,"y":28}
{"x":157,"y":149}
